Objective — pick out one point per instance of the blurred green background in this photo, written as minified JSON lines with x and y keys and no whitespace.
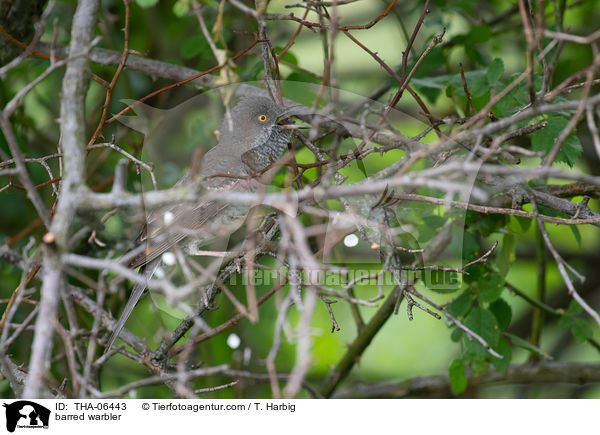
{"x":476,"y":34}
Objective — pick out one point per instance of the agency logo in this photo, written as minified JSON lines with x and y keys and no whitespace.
{"x":24,"y":414}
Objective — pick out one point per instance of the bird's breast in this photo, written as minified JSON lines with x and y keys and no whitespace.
{"x":261,"y":156}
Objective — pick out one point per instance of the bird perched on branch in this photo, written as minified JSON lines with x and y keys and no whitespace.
{"x":254,"y":136}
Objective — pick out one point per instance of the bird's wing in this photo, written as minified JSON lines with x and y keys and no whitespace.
{"x":185,"y":221}
{"x":161,"y":233}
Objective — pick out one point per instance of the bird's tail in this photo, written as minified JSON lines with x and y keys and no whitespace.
{"x":136,"y":294}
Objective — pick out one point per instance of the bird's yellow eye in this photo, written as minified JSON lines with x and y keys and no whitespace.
{"x":262,"y":118}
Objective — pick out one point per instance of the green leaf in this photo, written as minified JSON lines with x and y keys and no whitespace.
{"x":516,"y":98}
{"x":576,"y":234}
{"x":545,"y":139}
{"x":569,"y":317}
{"x":570,"y":150}
{"x":466,"y":5}
{"x":193,"y":46}
{"x":476,"y":83}
{"x":252,"y":70}
{"x":463,"y":244}
{"x":431,"y":88}
{"x":301,"y":76}
{"x":565,"y":322}
{"x":181,"y":8}
{"x":434,"y":221}
{"x":146,"y":3}
{"x":458,"y":377}
{"x":519,"y":342}
{"x":287,"y":57}
{"x":582,"y":330}
{"x":574,"y":308}
{"x":461,"y":305}
{"x":495,"y":71}
{"x":503,"y":313}
{"x":431,"y":94}
{"x":479,"y":34}
{"x":482,"y":322}
{"x":490,"y":287}
{"x":476,"y":271}
{"x":504,"y":349}
{"x":429,"y":65}
{"x":474,"y":54}
{"x":456,"y":335}
{"x":429,"y":228}
{"x":490,"y":223}
{"x":479,"y":365}
{"x":524,"y":223}
{"x":507,"y":254}
{"x":547,"y":211}
{"x":361,"y":166}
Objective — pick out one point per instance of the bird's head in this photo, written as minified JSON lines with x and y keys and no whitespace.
{"x":253,"y":121}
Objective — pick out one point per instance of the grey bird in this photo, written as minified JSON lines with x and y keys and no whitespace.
{"x":251,"y":140}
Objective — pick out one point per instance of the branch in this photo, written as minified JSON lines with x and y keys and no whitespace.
{"x":32,"y":193}
{"x":439,"y":385}
{"x":73,"y":123}
{"x":150,"y":67}
{"x":562,"y":268}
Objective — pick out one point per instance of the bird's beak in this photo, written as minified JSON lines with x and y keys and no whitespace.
{"x":284,"y":121}
{"x":293,"y":126}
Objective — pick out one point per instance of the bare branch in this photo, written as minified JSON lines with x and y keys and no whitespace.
{"x":73,"y":135}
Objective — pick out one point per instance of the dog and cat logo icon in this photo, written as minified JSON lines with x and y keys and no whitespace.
{"x":25,"y":414}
